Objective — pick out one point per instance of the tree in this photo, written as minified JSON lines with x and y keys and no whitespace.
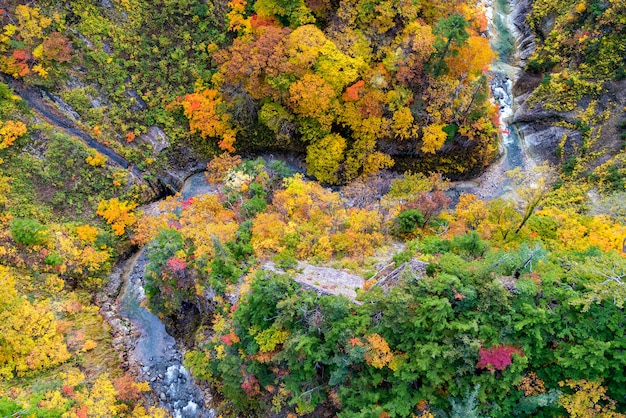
{"x":207,"y":116}
{"x":118,"y":213}
{"x":9,"y":132}
{"x":324,"y":158}
{"x":471,"y":210}
{"x":450,"y":35}
{"x":29,"y":337}
{"x":588,"y":400}
{"x":530,"y":189}
{"x":433,"y":138}
{"x":312,"y":97}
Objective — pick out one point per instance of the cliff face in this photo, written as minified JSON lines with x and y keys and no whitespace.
{"x":552,"y":132}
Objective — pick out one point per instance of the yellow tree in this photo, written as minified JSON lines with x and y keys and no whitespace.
{"x":403,"y":124}
{"x":324,"y":158}
{"x":9,"y":132}
{"x":530,"y":189}
{"x":589,"y":400}
{"x":29,"y":337}
{"x":118,"y":213}
{"x":312,"y":97}
{"x":433,"y":138}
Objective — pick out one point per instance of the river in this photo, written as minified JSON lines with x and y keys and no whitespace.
{"x":494,"y":183}
{"x":156,"y":355}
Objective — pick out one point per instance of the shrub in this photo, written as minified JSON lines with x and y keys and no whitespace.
{"x":469,"y":245}
{"x":28,"y":232}
{"x":53,"y":260}
{"x":407,"y":222}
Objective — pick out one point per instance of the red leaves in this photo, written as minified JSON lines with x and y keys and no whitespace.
{"x":250,"y":385}
{"x":176,"y":264}
{"x":186,"y":204}
{"x":21,"y":55}
{"x":229,"y":339}
{"x":497,"y":358}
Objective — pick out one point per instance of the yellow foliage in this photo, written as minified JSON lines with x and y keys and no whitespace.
{"x":89,"y":345}
{"x":324,"y":158}
{"x":204,"y":110}
{"x":118,"y":214}
{"x":267,"y":231}
{"x":433,"y":138}
{"x":87,"y":233}
{"x":378,"y":353}
{"x":153,"y":412}
{"x":473,"y":58}
{"x":403,"y":123}
{"x":40,"y":70}
{"x":149,"y":225}
{"x":100,"y":401}
{"x":31,"y":23}
{"x":4,"y":188}
{"x":53,"y":400}
{"x":304,"y":45}
{"x":237,"y":21}
{"x":577,"y":232}
{"x":30,"y":337}
{"x":96,"y":160}
{"x":589,"y":400}
{"x":471,"y":210}
{"x":10,"y":131}
{"x":206,"y":219}
{"x":268,"y":339}
{"x":73,"y":377}
{"x":312,"y":97}
{"x":79,"y":258}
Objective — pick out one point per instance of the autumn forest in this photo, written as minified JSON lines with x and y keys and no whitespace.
{"x":313,"y":208}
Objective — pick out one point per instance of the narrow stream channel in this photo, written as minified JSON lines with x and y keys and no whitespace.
{"x":494,"y":183}
{"x":155,"y":351}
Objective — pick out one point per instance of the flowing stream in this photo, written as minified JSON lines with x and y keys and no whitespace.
{"x":494,"y":183}
{"x":155,"y":352}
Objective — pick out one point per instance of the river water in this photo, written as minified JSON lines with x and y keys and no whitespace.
{"x":158,"y":359}
{"x":494,"y":183}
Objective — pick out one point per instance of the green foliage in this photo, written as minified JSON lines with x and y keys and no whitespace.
{"x":163,"y":290}
{"x":407,"y":222}
{"x":466,"y":407}
{"x":28,"y":232}
{"x":469,"y":245}
{"x":53,"y":260}
{"x":450,"y":34}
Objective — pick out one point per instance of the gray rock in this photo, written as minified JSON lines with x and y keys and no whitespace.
{"x":138,"y":102}
{"x":156,"y":138}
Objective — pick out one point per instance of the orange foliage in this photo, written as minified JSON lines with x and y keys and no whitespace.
{"x":204,"y":110}
{"x":217,"y":168}
{"x":353,"y":92}
{"x":312,"y":96}
{"x":10,"y":131}
{"x":87,"y":233}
